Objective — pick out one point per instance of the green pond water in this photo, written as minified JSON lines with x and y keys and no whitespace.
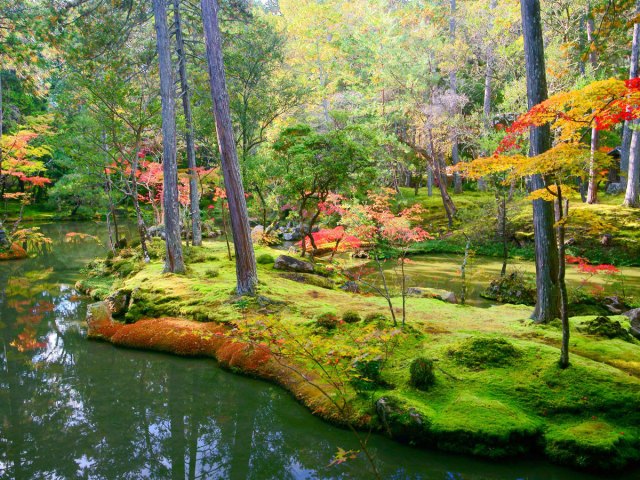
{"x":72,"y":408}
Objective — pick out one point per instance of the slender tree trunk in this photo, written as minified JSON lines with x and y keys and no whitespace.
{"x":185,"y":92}
{"x":564,"y":315}
{"x":633,"y":73}
{"x":453,"y":84}
{"x":142,"y":228}
{"x":592,"y":190}
{"x":548,"y":291}
{"x":246,"y":271}
{"x":2,"y":177}
{"x":174,"y":261}
{"x":632,"y":195}
{"x":429,"y":181}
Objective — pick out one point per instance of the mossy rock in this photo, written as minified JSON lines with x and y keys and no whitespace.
{"x":484,"y":352}
{"x":309,"y":279}
{"x":513,"y":288}
{"x":486,"y":427}
{"x":592,"y":444}
{"x":403,"y":422}
{"x":606,"y":328}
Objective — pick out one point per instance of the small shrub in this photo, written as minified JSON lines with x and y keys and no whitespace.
{"x":265,"y":259}
{"x":483,"y":352}
{"x":375,"y":317}
{"x":351,"y":316}
{"x":327,"y":320}
{"x":212,"y":273}
{"x":367,"y":375}
{"x":421,"y":373}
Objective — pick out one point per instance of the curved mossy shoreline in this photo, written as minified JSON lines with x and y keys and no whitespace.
{"x":587,"y":416}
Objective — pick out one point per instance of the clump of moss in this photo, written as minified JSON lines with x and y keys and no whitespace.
{"x":351,"y":316}
{"x":265,"y":259}
{"x":484,"y":352}
{"x":212,"y":273}
{"x":605,"y":327}
{"x":198,"y":255}
{"x":375,"y":317}
{"x":421,"y":373}
{"x":328,"y":321}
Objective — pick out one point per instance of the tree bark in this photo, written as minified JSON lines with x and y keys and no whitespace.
{"x":632,"y":195}
{"x":564,"y":315}
{"x":633,"y":73}
{"x":453,"y":84}
{"x":174,"y":261}
{"x":592,"y":190}
{"x":2,"y":178}
{"x":548,"y":291}
{"x":246,"y":271}
{"x":194,"y":196}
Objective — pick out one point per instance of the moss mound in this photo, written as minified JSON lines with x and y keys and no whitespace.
{"x":605,"y":327}
{"x":265,"y":259}
{"x":328,"y":321}
{"x":351,"y":316}
{"x":513,"y":288}
{"x":484,"y":352}
{"x":421,"y":373}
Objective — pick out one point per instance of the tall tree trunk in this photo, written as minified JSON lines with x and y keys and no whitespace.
{"x":632,"y":195}
{"x":592,"y":190}
{"x":185,"y":92}
{"x":564,"y":314}
{"x":246,"y":271}
{"x":453,"y":84}
{"x":488,"y":88}
{"x":2,"y":177}
{"x":633,"y":73}
{"x":548,"y":290}
{"x":174,"y":261}
{"x":142,"y":228}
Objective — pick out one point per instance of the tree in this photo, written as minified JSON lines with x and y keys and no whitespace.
{"x":547,"y":305}
{"x":174,"y":261}
{"x":631,"y":140}
{"x":246,"y":270}
{"x":185,"y":93}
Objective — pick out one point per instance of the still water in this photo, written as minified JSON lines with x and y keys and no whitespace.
{"x":77,"y":409}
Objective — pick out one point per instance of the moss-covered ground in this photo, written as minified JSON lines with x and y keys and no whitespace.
{"x":498,"y":389}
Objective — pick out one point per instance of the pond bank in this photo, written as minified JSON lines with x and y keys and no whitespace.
{"x":586,"y":416}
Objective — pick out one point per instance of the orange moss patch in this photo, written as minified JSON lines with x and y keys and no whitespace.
{"x":194,"y":339}
{"x":15,"y":252}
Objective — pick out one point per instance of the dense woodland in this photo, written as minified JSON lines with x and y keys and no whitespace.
{"x":356,"y":132}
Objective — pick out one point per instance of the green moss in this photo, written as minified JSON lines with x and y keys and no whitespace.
{"x":421,"y":373}
{"x":265,"y":259}
{"x":328,"y":321}
{"x":351,"y":316}
{"x":309,"y":279}
{"x":605,"y":327}
{"x":484,"y":352}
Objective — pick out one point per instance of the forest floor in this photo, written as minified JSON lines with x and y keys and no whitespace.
{"x":498,"y":390}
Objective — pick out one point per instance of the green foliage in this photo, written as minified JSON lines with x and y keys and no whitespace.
{"x":212,"y":273}
{"x":328,"y":321}
{"x":367,"y":374}
{"x":265,"y":259}
{"x":421,"y":373}
{"x":484,"y":352}
{"x":351,"y":316}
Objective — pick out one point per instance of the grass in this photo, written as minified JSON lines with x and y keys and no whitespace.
{"x":486,"y":400}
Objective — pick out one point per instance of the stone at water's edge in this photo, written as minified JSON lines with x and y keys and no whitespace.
{"x":98,"y":316}
{"x":437,"y":293}
{"x":290,"y":264}
{"x":118,"y":302}
{"x":634,"y":318}
{"x":15,"y":252}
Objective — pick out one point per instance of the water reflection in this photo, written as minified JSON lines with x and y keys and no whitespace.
{"x":70,"y":408}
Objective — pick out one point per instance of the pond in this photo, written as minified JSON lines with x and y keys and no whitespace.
{"x":72,"y":408}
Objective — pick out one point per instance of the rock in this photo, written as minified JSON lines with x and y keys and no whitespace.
{"x":401,"y":422}
{"x":616,"y":188}
{"x":118,"y":302}
{"x":156,"y":231}
{"x":309,"y":279}
{"x":257,"y":231}
{"x":449,"y":297}
{"x":570,"y":241}
{"x":98,"y":317}
{"x":634,"y":318}
{"x":15,"y":252}
{"x":290,"y":264}
{"x":606,"y":240}
{"x":360,"y":254}
{"x":604,"y":327}
{"x":436,"y":293}
{"x":350,"y":286}
{"x":4,"y":241}
{"x":614,"y":305}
